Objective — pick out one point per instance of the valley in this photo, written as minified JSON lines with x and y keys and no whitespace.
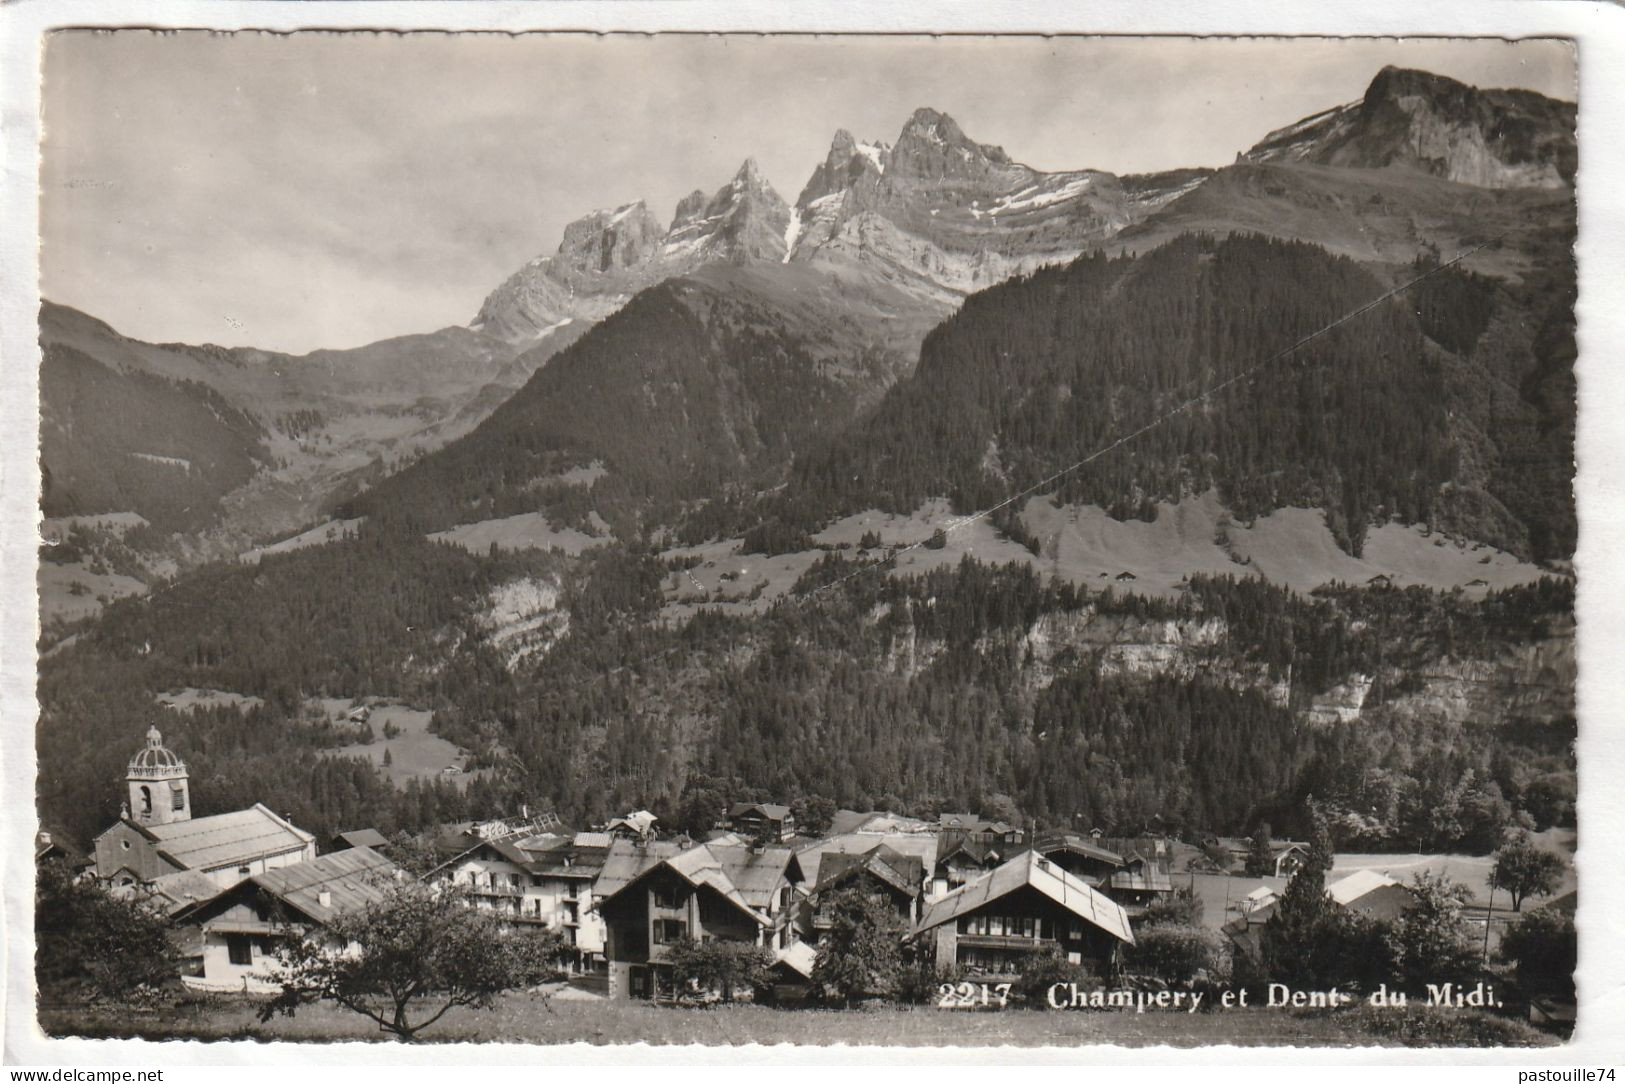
{"x":723,"y":504}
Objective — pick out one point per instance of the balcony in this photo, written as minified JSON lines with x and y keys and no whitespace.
{"x":507,"y":891}
{"x":997,"y":941}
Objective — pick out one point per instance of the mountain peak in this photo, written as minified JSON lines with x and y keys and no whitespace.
{"x":1423,"y":121}
{"x":933,"y":145}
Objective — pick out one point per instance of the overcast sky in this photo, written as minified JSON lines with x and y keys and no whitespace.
{"x":329,"y":190}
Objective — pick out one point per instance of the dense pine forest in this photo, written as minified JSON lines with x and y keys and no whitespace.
{"x":897,"y":693}
{"x":178,"y":447}
{"x":685,"y":393}
{"x":1036,"y":374}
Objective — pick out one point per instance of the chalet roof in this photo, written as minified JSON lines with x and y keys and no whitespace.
{"x":849,"y":820}
{"x":1030,"y":870}
{"x":1076,"y":844}
{"x":977,"y":850}
{"x":361,"y":837}
{"x":352,"y":878}
{"x":1357,"y":884}
{"x":767,"y":809}
{"x":799,"y":957}
{"x":626,"y":861}
{"x":177,"y":891}
{"x":593,"y":839}
{"x":922,"y":845}
{"x":744,"y":876}
{"x":903,"y":872}
{"x":971,"y":822}
{"x":1143,"y":878}
{"x":640,"y":822}
{"x":756,"y":872}
{"x":562,"y":856}
{"x":226,"y":839}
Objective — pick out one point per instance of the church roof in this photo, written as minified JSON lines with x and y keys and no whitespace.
{"x":226,"y":838}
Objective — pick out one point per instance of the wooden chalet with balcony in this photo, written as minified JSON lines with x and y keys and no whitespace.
{"x":992,"y":925}
{"x":652,"y":897}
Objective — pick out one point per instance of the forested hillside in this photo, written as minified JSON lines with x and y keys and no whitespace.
{"x":685,"y":392}
{"x":969,"y":686}
{"x":1034,"y":375}
{"x":132,"y":441}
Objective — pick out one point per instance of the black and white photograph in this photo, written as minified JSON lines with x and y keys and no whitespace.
{"x":887,"y":540}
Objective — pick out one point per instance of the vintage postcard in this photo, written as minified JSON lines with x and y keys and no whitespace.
{"x":888,"y":540}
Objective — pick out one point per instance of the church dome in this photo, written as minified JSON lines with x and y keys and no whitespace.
{"x":155,"y":758}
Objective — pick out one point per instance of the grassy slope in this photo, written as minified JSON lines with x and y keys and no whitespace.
{"x":525,"y":1018}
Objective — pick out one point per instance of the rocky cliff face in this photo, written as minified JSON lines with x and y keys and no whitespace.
{"x":1414,"y":119}
{"x":935,"y":215}
{"x":947,"y":215}
{"x":607,"y":256}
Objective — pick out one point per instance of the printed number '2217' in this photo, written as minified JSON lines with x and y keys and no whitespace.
{"x":968,"y":995}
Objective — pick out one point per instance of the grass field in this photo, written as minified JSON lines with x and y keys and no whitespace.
{"x":413,"y":753}
{"x":529,"y":1018}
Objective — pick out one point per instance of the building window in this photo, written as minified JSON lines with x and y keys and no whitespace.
{"x":177,"y":801}
{"x":239,"y":949}
{"x":668,"y":898}
{"x":146,"y":801}
{"x":668,"y":930}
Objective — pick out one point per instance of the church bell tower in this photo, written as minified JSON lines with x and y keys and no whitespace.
{"x":157,"y":784}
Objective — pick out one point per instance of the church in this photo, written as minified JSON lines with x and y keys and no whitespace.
{"x":159,"y":845}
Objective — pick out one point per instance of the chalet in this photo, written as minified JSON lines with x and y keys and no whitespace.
{"x":1286,"y":855}
{"x":563,"y":872}
{"x":1365,"y":892}
{"x":762,"y":821}
{"x":52,"y":848}
{"x":1480,"y":582}
{"x":158,"y":836}
{"x":981,"y":830}
{"x":960,"y":860}
{"x":898,"y":879}
{"x":1133,"y":880}
{"x":1125,"y":576}
{"x":1382,"y":579}
{"x":242,"y":925}
{"x":1083,"y":857}
{"x":637,"y":826}
{"x":1372,"y":893}
{"x":809,"y":860}
{"x":990,"y":926}
{"x":538,"y":881}
{"x":650,"y":900}
{"x":1139,"y":883}
{"x":1262,"y":896}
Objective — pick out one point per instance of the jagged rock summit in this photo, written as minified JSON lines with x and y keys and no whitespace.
{"x":1431,"y":123}
{"x":938,"y":214}
{"x":609,"y":255}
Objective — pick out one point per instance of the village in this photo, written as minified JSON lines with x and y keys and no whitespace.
{"x":979,"y":904}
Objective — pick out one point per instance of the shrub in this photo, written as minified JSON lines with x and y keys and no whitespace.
{"x":1543,"y":947}
{"x":1182,"y":907}
{"x":86,"y":937}
{"x":1043,"y":970}
{"x":1178,"y":954}
{"x":725,"y":967}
